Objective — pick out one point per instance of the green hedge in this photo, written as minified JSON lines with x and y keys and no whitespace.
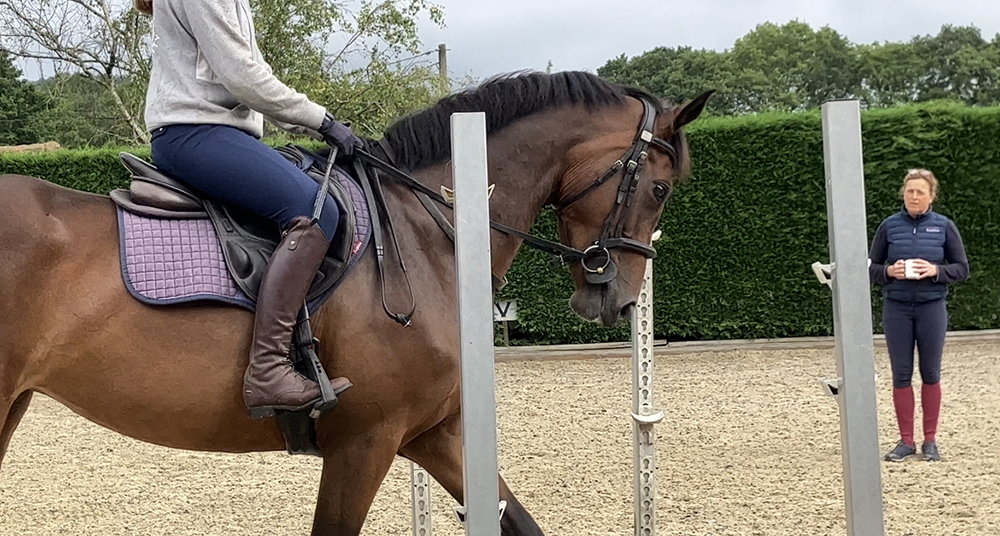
{"x":91,"y":170}
{"x":740,"y":235}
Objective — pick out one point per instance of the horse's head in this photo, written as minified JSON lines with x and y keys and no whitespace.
{"x":610,"y":199}
{"x":605,"y":156}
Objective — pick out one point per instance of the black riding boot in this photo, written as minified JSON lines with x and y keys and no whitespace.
{"x":270,"y":382}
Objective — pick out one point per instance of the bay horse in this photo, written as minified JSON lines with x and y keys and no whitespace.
{"x":172,"y":375}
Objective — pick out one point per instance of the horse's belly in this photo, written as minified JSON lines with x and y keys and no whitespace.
{"x":169,"y":376}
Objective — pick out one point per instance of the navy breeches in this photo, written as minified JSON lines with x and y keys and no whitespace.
{"x":235,"y":168}
{"x":925,"y":325}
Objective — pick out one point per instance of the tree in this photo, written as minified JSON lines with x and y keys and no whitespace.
{"x":956,"y":64}
{"x":793,"y":67}
{"x":102,"y":40}
{"x":19,"y":104}
{"x":682,"y":73}
{"x":960,"y":64}
{"x":376,"y":68}
{"x":79,"y":112}
{"x":891,"y":73}
{"x":375,"y":74}
{"x":789,"y":67}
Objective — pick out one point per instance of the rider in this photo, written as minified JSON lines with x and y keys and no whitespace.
{"x":209,"y":91}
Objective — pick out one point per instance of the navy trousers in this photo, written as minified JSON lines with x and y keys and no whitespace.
{"x":235,"y":168}
{"x":923,"y":324}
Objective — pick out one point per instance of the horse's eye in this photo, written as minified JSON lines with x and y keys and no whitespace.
{"x":661,"y":191}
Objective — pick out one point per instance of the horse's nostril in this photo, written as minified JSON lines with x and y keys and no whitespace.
{"x":626,"y":310}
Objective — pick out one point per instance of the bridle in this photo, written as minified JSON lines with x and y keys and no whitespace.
{"x":599,"y":268}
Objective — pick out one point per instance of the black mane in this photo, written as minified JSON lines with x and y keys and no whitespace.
{"x":424,"y":138}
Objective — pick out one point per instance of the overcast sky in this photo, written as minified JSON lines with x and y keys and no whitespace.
{"x":486,"y":37}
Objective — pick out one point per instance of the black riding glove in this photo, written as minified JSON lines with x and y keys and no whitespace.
{"x":338,"y":135}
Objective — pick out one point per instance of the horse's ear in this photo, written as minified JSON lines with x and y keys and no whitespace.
{"x":691,"y":110}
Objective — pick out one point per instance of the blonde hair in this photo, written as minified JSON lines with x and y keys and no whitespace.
{"x":911,"y":174}
{"x":143,"y":6}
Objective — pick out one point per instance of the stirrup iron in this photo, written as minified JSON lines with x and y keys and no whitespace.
{"x":314,"y":368}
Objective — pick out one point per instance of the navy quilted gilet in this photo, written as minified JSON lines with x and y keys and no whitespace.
{"x":916,"y":238}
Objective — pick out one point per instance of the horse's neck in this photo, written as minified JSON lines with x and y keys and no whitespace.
{"x":524,"y":170}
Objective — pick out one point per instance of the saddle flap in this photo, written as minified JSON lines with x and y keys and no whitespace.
{"x":248,"y":240}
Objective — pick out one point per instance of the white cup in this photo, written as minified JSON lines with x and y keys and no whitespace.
{"x":911,"y":269}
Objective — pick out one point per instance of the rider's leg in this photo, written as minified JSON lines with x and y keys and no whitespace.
{"x":270,"y":383}
{"x":227,"y":164}
{"x":233,"y":167}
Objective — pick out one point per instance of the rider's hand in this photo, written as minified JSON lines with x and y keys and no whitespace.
{"x":339,"y":135}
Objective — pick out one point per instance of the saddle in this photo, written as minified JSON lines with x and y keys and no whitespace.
{"x":247,"y":240}
{"x":178,"y":245}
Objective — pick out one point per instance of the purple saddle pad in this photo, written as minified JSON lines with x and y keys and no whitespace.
{"x":168,"y":261}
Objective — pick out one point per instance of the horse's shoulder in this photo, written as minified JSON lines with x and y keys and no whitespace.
{"x":49,"y":213}
{"x":15,"y":181}
{"x":21,"y":187}
{"x":18,"y":190}
{"x":26,"y":189}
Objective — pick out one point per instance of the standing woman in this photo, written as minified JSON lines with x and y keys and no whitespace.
{"x":209,"y":91}
{"x":916,"y":252}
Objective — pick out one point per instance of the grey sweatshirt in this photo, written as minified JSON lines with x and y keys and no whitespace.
{"x":207,"y":69}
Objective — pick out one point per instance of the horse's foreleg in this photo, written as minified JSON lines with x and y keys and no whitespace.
{"x":12,"y":414}
{"x":351,"y":477}
{"x":439,"y":451}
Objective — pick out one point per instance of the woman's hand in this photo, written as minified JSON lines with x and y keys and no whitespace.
{"x":897,"y":270}
{"x":924,"y":269}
